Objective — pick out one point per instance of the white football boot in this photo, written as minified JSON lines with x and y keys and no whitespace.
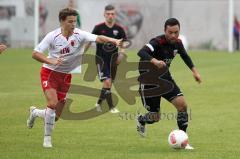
{"x":98,"y":107}
{"x":114,"y":110}
{"x":31,"y":118}
{"x":188,"y":147}
{"x":47,"y":142}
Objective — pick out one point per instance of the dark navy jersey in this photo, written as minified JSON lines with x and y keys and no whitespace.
{"x":161,"y":49}
{"x":116,"y":32}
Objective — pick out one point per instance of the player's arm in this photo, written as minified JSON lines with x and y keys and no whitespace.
{"x":105,"y":39}
{"x":2,"y":48}
{"x":147,"y":51}
{"x":43,"y":59}
{"x":188,"y":61}
{"x":38,"y":52}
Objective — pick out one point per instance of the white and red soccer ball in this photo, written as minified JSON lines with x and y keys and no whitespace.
{"x":178,"y":139}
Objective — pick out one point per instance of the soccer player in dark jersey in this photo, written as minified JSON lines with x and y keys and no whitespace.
{"x":107,"y":56}
{"x":160,"y":51}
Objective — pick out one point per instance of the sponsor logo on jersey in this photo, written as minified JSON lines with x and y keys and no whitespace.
{"x":115,"y":32}
{"x":175,"y":52}
{"x":65,"y":50}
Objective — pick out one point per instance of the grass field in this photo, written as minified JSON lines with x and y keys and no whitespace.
{"x":214,"y":125}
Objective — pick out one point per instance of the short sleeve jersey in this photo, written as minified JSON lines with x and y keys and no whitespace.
{"x":116,"y":32}
{"x":70,"y":49}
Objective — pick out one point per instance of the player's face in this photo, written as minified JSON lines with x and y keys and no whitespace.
{"x":110,"y":16}
{"x":172,"y":33}
{"x":69,"y":23}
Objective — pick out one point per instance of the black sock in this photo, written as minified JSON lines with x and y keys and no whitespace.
{"x":102,"y":96}
{"x":109,"y":98}
{"x":149,"y":118}
{"x":182,"y":120}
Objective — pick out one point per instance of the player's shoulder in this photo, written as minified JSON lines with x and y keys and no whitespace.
{"x":179,"y":43}
{"x":100,"y":25}
{"x":119,"y":26}
{"x":160,"y":39}
{"x":78,"y":31}
{"x":81,"y":33}
{"x":54,"y":34}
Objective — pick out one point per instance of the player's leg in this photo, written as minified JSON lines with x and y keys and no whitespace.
{"x":50,"y":114}
{"x":62,"y":91}
{"x":182,"y":116}
{"x":177,"y":99}
{"x":104,"y":73}
{"x":33,"y":111}
{"x":59,"y":109}
{"x":152,"y":105}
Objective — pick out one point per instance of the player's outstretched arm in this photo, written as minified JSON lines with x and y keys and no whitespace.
{"x":105,"y":39}
{"x":196,"y":75}
{"x":43,"y":59}
{"x":2,"y":48}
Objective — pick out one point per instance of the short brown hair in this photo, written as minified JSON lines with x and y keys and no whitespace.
{"x":64,"y":13}
{"x":109,"y":7}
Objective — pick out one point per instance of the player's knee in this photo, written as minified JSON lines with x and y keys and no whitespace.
{"x":107,"y":83}
{"x":52,"y":104}
{"x":182,"y":108}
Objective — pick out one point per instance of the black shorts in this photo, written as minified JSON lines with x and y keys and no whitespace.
{"x":106,"y":67}
{"x":152,"y":103}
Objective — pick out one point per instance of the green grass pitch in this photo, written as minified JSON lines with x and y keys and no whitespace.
{"x":213,"y":128}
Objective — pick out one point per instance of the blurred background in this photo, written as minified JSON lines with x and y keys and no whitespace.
{"x":204,"y":23}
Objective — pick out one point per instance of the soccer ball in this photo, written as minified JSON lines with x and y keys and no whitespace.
{"x":178,"y":139}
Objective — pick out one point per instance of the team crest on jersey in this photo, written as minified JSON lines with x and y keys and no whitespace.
{"x":73,"y":43}
{"x":175,"y":52}
{"x":115,"y":32}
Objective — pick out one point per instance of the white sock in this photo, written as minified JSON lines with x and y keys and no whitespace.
{"x":39,"y":113}
{"x":49,"y":121}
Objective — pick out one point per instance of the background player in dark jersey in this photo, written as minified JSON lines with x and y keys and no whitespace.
{"x":107,"y":55}
{"x":160,"y":51}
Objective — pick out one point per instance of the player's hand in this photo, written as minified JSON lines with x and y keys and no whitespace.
{"x":56,"y":62}
{"x":2,"y":48}
{"x":197,"y":77}
{"x":159,"y":63}
{"x":119,"y":42}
